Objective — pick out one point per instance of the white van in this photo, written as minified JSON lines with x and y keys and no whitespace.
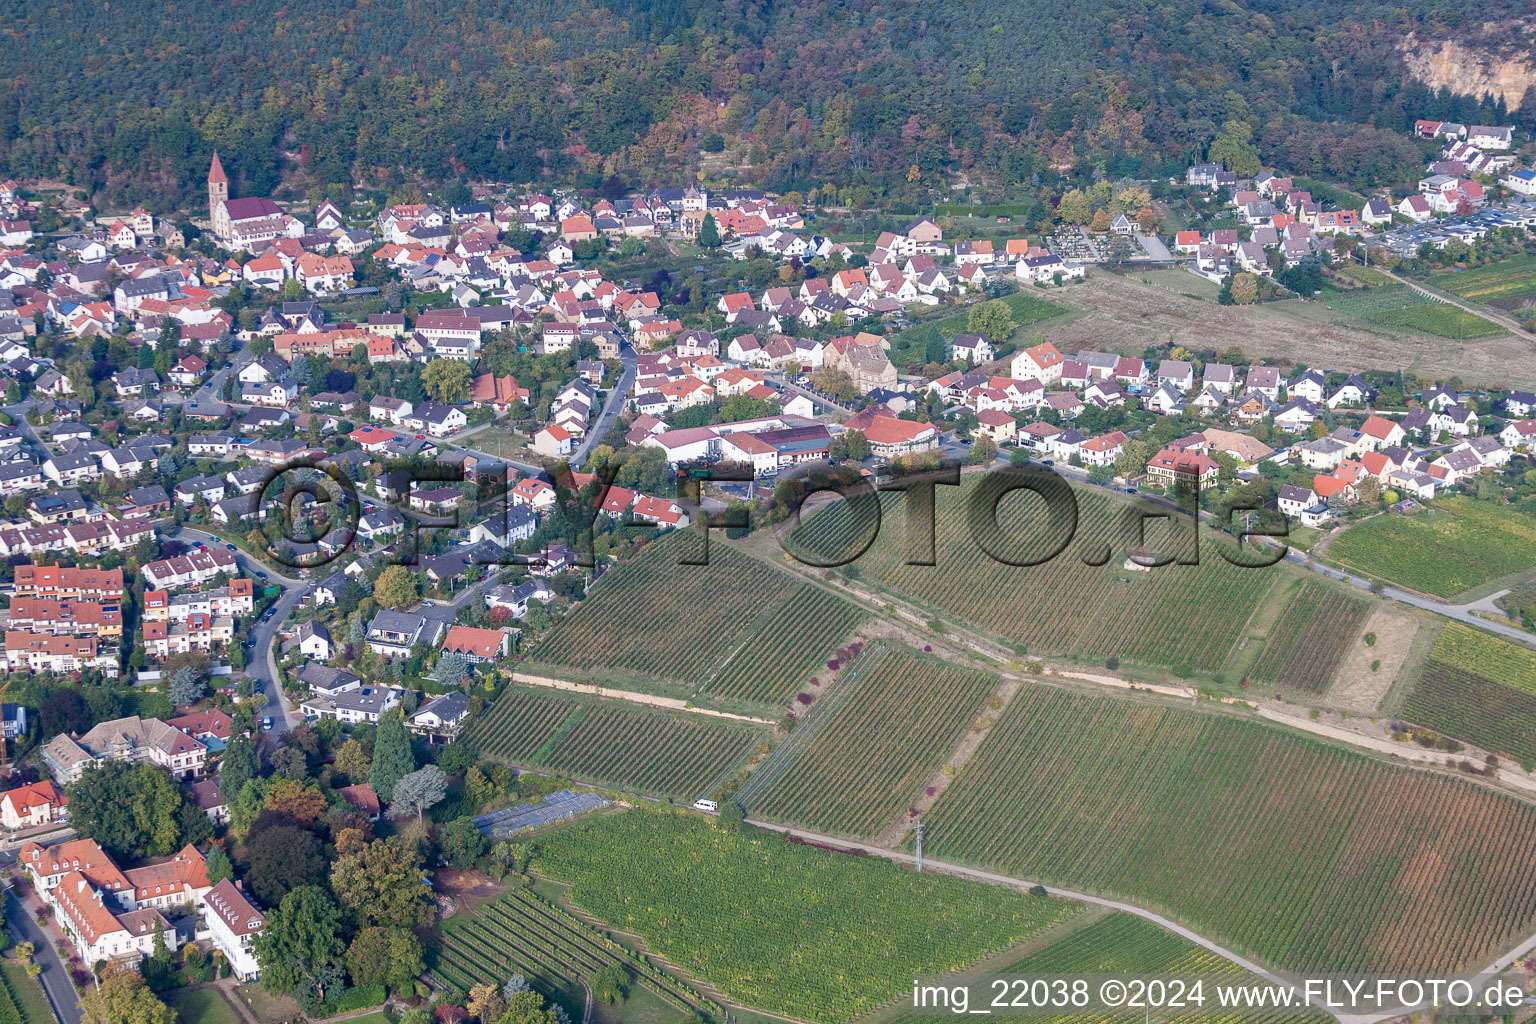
{"x":706,"y":805}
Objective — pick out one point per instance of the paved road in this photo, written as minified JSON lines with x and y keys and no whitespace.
{"x":1461,"y":613}
{"x":54,"y":977}
{"x":262,"y":659}
{"x":617,"y":396}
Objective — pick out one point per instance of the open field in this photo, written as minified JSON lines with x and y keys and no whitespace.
{"x":832,"y":936}
{"x":202,"y":1006}
{"x":501,"y":440}
{"x":1479,"y":688}
{"x":1123,"y":313}
{"x":25,"y":994}
{"x":1506,"y":285}
{"x":887,"y":736}
{"x":1300,"y":853}
{"x":1397,"y":305}
{"x":612,"y":742}
{"x":1315,"y":630}
{"x":523,"y":933}
{"x":1462,"y":543}
{"x":735,"y":632}
{"x":1172,"y":616}
{"x":1122,"y":944}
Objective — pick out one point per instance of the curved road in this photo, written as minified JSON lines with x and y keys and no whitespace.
{"x":262,"y":659}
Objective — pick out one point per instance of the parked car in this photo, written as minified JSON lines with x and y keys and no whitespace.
{"x":266,"y":724}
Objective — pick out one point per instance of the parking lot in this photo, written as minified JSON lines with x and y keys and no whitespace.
{"x":1404,"y":242}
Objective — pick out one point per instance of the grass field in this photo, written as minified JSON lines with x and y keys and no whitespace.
{"x":1297,"y":852}
{"x":789,"y":929}
{"x":1027,"y":307}
{"x":25,"y":993}
{"x":886,"y":737}
{"x":1505,"y":285}
{"x":1311,"y":637}
{"x":1176,"y":615}
{"x":1401,"y":307}
{"x":613,"y":742}
{"x":525,"y":934}
{"x":202,"y":1006}
{"x":1479,"y":688}
{"x":736,"y":632}
{"x":1121,"y":944}
{"x":1461,"y":544}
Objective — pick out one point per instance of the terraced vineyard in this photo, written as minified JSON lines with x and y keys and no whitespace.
{"x":782,"y":927}
{"x":1280,"y":847}
{"x":1479,"y":688}
{"x":1173,"y":615}
{"x":1123,"y":944}
{"x":521,"y":933}
{"x":890,"y":735}
{"x":1463,"y":544}
{"x":736,"y":630}
{"x":613,"y":743}
{"x":1311,"y":638}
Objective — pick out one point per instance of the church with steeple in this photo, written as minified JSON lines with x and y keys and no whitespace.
{"x":244,"y":223}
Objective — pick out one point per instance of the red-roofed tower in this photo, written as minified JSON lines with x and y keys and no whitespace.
{"x":218,"y":187}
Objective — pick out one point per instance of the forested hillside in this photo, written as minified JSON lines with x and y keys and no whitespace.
{"x":130,"y":98}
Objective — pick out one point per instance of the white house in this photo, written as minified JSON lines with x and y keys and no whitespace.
{"x":234,"y":921}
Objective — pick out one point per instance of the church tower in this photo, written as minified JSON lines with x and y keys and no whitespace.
{"x":218,"y":189}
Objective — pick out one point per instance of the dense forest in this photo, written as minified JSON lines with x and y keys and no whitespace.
{"x":894,"y":97}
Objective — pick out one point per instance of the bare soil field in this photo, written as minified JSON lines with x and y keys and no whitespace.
{"x":1359,"y":689}
{"x":1127,"y":313}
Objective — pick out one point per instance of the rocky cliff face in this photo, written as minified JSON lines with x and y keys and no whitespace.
{"x":1469,"y":69}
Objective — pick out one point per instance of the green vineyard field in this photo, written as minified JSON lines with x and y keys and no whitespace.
{"x":1464,"y":543}
{"x":521,"y":933}
{"x":1177,"y":614}
{"x":736,"y":630}
{"x":649,"y":750}
{"x":1299,"y":853}
{"x":1311,"y":637}
{"x":1479,"y":688}
{"x":831,"y":936}
{"x":889,"y":736}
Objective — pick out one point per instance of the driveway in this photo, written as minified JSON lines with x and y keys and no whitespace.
{"x":55,"y":978}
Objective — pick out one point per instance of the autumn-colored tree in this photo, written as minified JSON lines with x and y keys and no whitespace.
{"x":397,"y":587}
{"x":121,"y":997}
{"x":1146,"y":219}
{"x":301,"y":802}
{"x":1101,"y":221}
{"x":446,"y":381}
{"x":1245,"y":289}
{"x":1075,"y":207}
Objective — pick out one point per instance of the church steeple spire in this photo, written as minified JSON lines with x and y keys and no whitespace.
{"x":218,"y":190}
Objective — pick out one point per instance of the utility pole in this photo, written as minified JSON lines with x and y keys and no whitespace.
{"x":918,"y":829}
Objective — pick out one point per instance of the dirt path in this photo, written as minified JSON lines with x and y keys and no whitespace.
{"x":634,"y":697}
{"x":1509,"y":775}
{"x":933,"y":788}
